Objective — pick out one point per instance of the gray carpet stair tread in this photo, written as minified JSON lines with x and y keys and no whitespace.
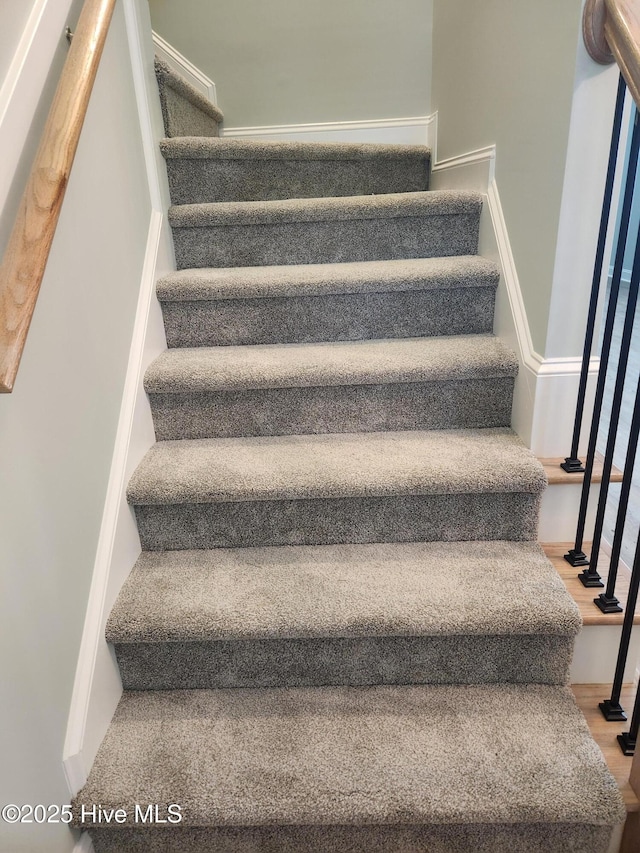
{"x":383,"y":755}
{"x":409,"y":589}
{"x":318,"y":279}
{"x":168,"y":77}
{"x":296,"y":210}
{"x":206,"y":148}
{"x":202,"y":369}
{"x":339,"y":465}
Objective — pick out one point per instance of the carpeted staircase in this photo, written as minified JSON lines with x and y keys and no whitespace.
{"x":341,"y":634}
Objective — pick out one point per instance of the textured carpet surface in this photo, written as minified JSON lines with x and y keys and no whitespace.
{"x":382,"y":755}
{"x":353,"y":615}
{"x":395,"y":518}
{"x":424,"y":405}
{"x":343,"y":591}
{"x":290,"y":319}
{"x":200,"y":148}
{"x":325,"y":466}
{"x":340,"y":634}
{"x":429,"y":838}
{"x":349,"y":662}
{"x":366,"y":386}
{"x":202,"y":170}
{"x":185,"y":111}
{"x":308,"y":365}
{"x":322,"y":279}
{"x":390,"y":206}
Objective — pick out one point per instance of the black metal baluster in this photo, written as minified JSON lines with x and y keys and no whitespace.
{"x":576,"y":556}
{"x":627,"y":740}
{"x":572,"y":463}
{"x":611,"y":708}
{"x":616,"y":405}
{"x":607,"y":601}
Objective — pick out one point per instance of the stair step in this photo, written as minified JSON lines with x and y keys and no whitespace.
{"x":351,"y":614}
{"x":325,"y":302}
{"x":493,"y":768}
{"x":276,"y":389}
{"x":324,"y":489}
{"x":326,"y":230}
{"x":202,"y":170}
{"x":185,"y":110}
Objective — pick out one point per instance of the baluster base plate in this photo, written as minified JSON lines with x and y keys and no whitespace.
{"x":608,"y":605}
{"x":627,"y":743}
{"x":613,"y":712}
{"x":572,"y":466}
{"x":576,"y":558}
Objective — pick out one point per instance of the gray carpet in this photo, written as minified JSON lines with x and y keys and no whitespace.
{"x":455,"y":755}
{"x":364,"y":386}
{"x":394,"y":613}
{"x":185,"y":110}
{"x":341,"y":634}
{"x":329,"y":302}
{"x":326,"y":230}
{"x":205,"y":170}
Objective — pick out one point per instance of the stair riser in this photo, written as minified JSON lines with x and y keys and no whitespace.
{"x":344,"y":317}
{"x":348,"y":662}
{"x":332,"y":241}
{"x":360,"y":408}
{"x":511,"y":516}
{"x":194,"y":181}
{"x":182,"y":118}
{"x":452,"y":838}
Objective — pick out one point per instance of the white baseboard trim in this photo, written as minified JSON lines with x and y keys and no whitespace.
{"x":97,"y":687}
{"x":181,"y":64}
{"x":84,"y":844}
{"x":25,"y":80}
{"x":416,"y":130}
{"x":76,"y":762}
{"x":546,"y":389}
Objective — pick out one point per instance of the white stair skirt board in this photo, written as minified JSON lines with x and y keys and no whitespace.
{"x":84,"y":844}
{"x":417,"y":130}
{"x":559,"y":512}
{"x":596,"y":652}
{"x":188,"y":70}
{"x":97,"y":687}
{"x":546,"y":389}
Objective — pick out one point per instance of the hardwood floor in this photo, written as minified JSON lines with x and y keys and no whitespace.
{"x":591,"y":615}
{"x":604,"y":733}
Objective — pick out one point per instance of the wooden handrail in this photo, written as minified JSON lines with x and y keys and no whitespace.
{"x":611,"y":30}
{"x":622,"y":31}
{"x":26,"y":255}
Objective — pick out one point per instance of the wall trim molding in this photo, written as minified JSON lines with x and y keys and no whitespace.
{"x":84,"y":844}
{"x":76,"y":763}
{"x":417,"y":130}
{"x":476,"y":169}
{"x":182,"y":65}
{"x":97,"y":686}
{"x":546,"y":388}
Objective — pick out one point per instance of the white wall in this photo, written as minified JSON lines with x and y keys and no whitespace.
{"x":503,"y":74}
{"x":57,"y":434}
{"x":291,"y":62}
{"x":13,"y":17}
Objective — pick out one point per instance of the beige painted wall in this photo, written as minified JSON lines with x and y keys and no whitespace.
{"x":57,"y":434}
{"x":503,"y":73}
{"x":297,"y":61}
{"x":13,"y":17}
